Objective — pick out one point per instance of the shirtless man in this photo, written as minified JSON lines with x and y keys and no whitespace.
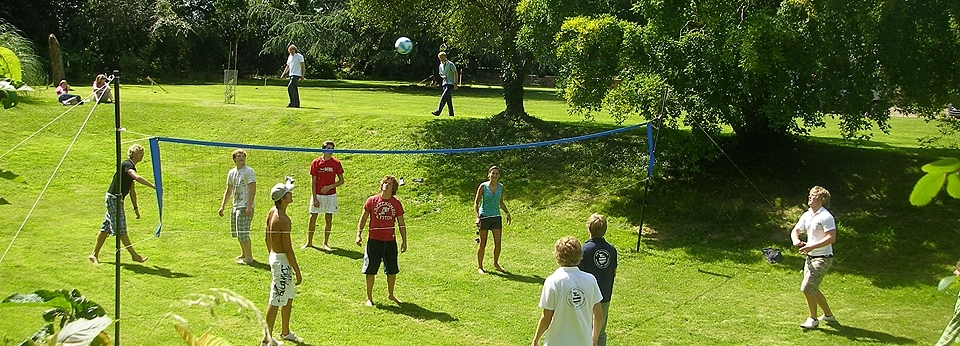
{"x":283,"y":265}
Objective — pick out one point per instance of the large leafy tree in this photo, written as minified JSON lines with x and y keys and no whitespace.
{"x":766,"y":69}
{"x":472,"y":26}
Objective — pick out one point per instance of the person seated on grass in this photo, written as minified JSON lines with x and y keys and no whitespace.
{"x":572,"y":312}
{"x":101,"y":89}
{"x":64,"y":95}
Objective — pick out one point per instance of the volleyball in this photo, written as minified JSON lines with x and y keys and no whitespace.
{"x":403,"y":45}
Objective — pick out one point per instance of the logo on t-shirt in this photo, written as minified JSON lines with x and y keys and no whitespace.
{"x":383,"y":211}
{"x":576,"y":298}
{"x":601,"y":258}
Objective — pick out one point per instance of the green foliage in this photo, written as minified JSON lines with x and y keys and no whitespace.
{"x":71,"y":318}
{"x":18,"y":61}
{"x":10,"y":64}
{"x":945,"y":170}
{"x":219,"y":298}
{"x":765,"y":69}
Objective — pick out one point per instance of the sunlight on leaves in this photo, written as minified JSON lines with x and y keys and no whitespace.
{"x":944,"y":165}
{"x":927,"y":188}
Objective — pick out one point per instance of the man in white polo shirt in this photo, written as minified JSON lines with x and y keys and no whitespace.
{"x":821,"y":229}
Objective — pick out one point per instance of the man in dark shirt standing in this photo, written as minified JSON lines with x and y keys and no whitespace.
{"x":600,"y":259}
{"x":121,"y":186}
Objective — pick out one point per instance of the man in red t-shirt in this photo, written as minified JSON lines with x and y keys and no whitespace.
{"x":384,"y":211}
{"x":326,"y":173}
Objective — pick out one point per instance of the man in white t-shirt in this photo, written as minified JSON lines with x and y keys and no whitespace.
{"x":821,"y":229}
{"x":297,"y":69}
{"x":572,"y":313}
{"x":242,"y":185}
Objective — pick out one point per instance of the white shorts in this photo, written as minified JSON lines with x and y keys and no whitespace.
{"x":283,"y":288}
{"x":328,"y":204}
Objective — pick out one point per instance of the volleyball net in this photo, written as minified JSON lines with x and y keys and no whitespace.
{"x":196,"y":171}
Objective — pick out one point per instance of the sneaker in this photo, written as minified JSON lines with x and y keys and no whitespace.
{"x":435,"y":113}
{"x":811,"y":323}
{"x":292,"y":337}
{"x":828,"y":319}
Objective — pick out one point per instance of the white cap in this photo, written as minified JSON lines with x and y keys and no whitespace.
{"x":280,"y":189}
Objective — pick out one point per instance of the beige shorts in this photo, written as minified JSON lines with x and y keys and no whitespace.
{"x":328,"y":204}
{"x":814,"y":270}
{"x":283,"y":288}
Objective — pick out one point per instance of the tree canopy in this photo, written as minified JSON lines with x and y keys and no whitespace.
{"x":765,"y":69}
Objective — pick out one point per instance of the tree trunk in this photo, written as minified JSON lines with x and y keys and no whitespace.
{"x":56,"y":60}
{"x":515,"y":66}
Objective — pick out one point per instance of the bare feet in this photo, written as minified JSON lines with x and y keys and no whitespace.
{"x":242,"y":261}
{"x":499,"y":268}
{"x":140,"y":259}
{"x":369,"y":303}
{"x":93,"y":259}
{"x":391,"y":297}
{"x":325,"y":247}
{"x":304,"y":246}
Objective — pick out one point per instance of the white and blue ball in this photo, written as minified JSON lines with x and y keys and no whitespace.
{"x":403,"y":45}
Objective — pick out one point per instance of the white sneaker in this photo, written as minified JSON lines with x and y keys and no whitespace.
{"x":292,"y":337}
{"x":828,"y":319}
{"x":811,"y":323}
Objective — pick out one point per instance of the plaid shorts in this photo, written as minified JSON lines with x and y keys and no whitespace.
{"x":813,"y":271}
{"x":111,"y":202}
{"x":240,"y":224}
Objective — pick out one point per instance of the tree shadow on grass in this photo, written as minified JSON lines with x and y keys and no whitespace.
{"x":530,"y":279}
{"x":155,"y":270}
{"x":418,"y":312}
{"x":719,"y":215}
{"x":863,"y":335}
{"x":539,"y":176}
{"x":716,"y":214}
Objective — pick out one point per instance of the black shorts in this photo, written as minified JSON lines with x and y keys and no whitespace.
{"x":380,"y":251}
{"x":490,"y":223}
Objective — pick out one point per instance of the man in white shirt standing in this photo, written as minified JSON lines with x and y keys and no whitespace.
{"x":448,"y":71}
{"x":242,"y":186}
{"x":297,"y":68}
{"x":821,"y":229}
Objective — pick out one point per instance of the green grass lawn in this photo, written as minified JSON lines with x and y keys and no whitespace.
{"x":699,"y":277}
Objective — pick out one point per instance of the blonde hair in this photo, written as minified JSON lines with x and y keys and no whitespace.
{"x":101,"y":77}
{"x":567,"y":251}
{"x":822,"y":194}
{"x":442,"y":55}
{"x":597,"y":225}
{"x":238,"y":152}
{"x":136,"y":148}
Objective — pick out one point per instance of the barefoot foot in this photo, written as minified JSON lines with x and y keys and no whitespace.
{"x":93,"y":259}
{"x":395,"y":299}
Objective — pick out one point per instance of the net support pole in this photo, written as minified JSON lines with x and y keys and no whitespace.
{"x":651,"y":150}
{"x":116,"y":213}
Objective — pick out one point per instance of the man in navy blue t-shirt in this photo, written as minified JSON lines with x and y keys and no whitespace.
{"x":600,"y":259}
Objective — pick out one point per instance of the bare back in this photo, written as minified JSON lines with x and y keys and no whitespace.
{"x":278,"y":232}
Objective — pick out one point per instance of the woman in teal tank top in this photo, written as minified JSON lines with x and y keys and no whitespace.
{"x":486,"y":206}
